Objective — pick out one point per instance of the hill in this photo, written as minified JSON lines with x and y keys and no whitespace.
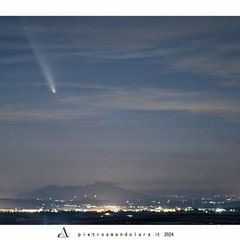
{"x":105,"y":192}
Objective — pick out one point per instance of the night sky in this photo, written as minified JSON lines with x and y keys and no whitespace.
{"x":142,"y":102}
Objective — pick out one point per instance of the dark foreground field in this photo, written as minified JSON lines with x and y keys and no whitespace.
{"x":117,"y":218}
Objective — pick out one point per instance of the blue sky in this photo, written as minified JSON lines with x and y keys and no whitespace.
{"x":144,"y":102}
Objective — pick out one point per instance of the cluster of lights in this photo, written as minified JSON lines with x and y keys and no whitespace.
{"x":204,"y":204}
{"x":114,"y":208}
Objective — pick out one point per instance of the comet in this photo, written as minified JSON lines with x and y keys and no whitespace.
{"x":43,"y":65}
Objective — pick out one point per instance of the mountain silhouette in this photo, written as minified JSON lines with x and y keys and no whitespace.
{"x":106,"y":192}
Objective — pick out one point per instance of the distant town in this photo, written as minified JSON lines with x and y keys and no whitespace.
{"x":172,"y":203}
{"x":108,"y":203}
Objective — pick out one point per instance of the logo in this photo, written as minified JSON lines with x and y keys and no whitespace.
{"x":63,"y":233}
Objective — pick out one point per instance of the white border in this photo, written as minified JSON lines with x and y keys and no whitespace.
{"x":119,"y":7}
{"x":180,"y":232}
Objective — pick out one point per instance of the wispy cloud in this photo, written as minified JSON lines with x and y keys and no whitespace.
{"x":147,"y":99}
{"x":220,"y":60}
{"x":191,"y":44}
{"x":194,"y":45}
{"x":100,"y":101}
{"x":199,"y":46}
{"x":12,"y":114}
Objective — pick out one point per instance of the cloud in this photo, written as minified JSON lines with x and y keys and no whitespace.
{"x":100,"y":101}
{"x":203,"y":46}
{"x":123,"y":38}
{"x":148,"y":99}
{"x":216,"y":60}
{"x":12,"y":113}
{"x":16,"y":59}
